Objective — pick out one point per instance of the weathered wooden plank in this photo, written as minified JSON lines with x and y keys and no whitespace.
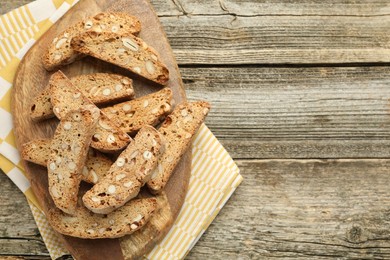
{"x":274,"y":32}
{"x":19,"y":234}
{"x":312,"y":112}
{"x":22,"y":247}
{"x":271,"y":7}
{"x":286,"y":208}
{"x":251,"y":149}
{"x":14,"y":211}
{"x":308,"y":209}
{"x":278,"y":39}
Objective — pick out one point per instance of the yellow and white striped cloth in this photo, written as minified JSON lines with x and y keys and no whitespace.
{"x":214,"y":175}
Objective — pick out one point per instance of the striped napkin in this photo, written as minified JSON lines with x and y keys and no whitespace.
{"x":214,"y":175}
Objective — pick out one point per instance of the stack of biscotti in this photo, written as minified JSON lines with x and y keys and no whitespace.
{"x":100,"y":88}
{"x":60,"y":52}
{"x":106,"y":137}
{"x":110,"y":37}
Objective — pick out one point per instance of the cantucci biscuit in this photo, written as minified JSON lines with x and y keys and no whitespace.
{"x":96,"y":165}
{"x":147,"y":110}
{"x":100,"y":88}
{"x":41,"y":107}
{"x":60,"y":53}
{"x":69,"y":149}
{"x":65,"y":97}
{"x":123,"y":221}
{"x":36,"y":151}
{"x":127,"y":175}
{"x":124,"y":50}
{"x":178,"y":129}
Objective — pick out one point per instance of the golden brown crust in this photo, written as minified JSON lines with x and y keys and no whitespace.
{"x":100,"y":88}
{"x":96,"y":165}
{"x":124,"y":221}
{"x":178,"y":130}
{"x":123,"y":50}
{"x":65,"y":97}
{"x":68,"y":152}
{"x":60,"y":53}
{"x":147,"y":110}
{"x":128,"y":174}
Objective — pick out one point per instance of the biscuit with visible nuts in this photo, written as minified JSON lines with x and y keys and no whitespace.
{"x":132,"y":115}
{"x":68,"y":153}
{"x":178,"y":129}
{"x":127,"y":175}
{"x":123,"y":221}
{"x":60,"y":53}
{"x":100,"y":88}
{"x":65,"y":97}
{"x":96,"y":165}
{"x":123,"y":50}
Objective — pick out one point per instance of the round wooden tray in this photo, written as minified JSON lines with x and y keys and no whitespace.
{"x":31,"y":78}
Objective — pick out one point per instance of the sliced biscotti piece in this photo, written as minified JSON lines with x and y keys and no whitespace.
{"x":147,"y":110}
{"x":100,"y":88}
{"x":123,"y":221}
{"x":104,"y":88}
{"x":60,"y":53}
{"x":41,"y":107}
{"x":96,"y":165}
{"x":36,"y":151}
{"x":65,"y":97}
{"x":178,"y":130}
{"x":125,"y":50}
{"x":127,"y":175}
{"x":69,"y":149}
{"x":161,"y":219}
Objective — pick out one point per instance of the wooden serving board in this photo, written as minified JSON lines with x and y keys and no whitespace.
{"x":31,"y":78}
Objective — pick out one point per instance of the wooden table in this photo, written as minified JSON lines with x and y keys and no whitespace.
{"x":301,"y":100}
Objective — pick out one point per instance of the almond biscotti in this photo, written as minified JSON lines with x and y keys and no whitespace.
{"x":69,"y":149}
{"x":60,"y":53}
{"x":100,"y":88}
{"x":65,"y":97}
{"x":36,"y":151}
{"x":96,"y":165}
{"x":104,"y":88}
{"x":123,"y":221}
{"x":127,"y":175}
{"x":147,"y":110}
{"x":178,"y":130}
{"x":41,"y":107}
{"x":124,"y":50}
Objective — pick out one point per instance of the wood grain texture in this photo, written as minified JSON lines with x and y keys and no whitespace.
{"x":271,"y":7}
{"x":31,"y":78}
{"x":306,"y":209}
{"x":276,"y":32}
{"x":278,"y":39}
{"x":19,"y":233}
{"x":312,"y":112}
